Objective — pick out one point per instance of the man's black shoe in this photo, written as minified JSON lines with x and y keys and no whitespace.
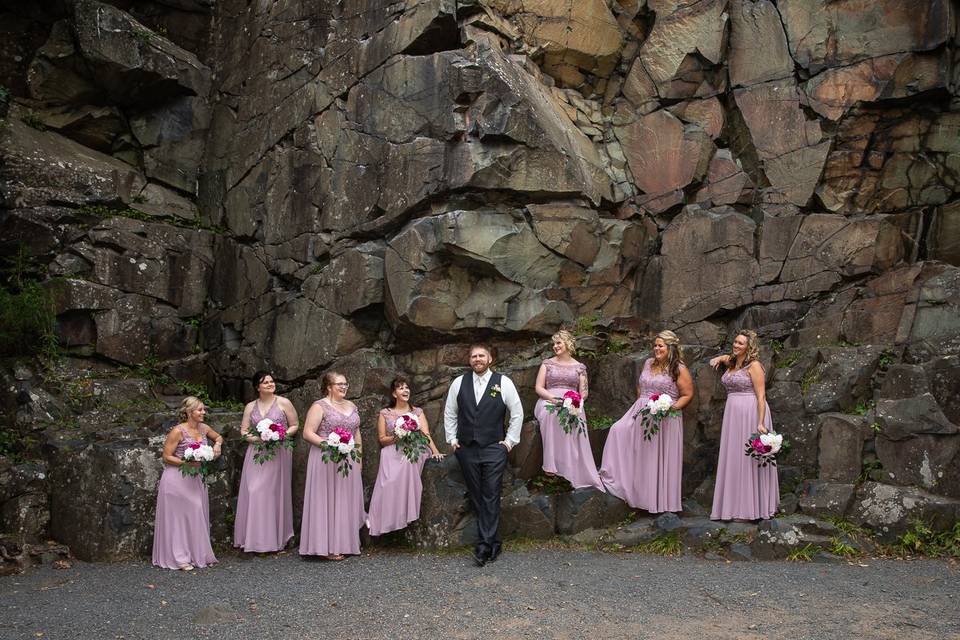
{"x":495,"y":554}
{"x":479,"y":558}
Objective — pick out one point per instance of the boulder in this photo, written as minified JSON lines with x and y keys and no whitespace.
{"x":824,"y":33}
{"x":758,"y":46}
{"x":662,"y":154}
{"x":24,"y":501}
{"x":888,"y":510}
{"x":823,"y":499}
{"x":842,"y":439}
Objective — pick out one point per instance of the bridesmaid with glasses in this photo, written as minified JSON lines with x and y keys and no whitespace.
{"x":264,"y":520}
{"x":332,"y":503}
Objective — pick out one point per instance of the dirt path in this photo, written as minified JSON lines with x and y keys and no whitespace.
{"x":527,"y":594}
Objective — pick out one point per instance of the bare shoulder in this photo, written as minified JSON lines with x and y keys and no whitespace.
{"x":284,"y":403}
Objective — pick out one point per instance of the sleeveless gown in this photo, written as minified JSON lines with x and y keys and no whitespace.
{"x":181,"y":530}
{"x":332,"y":504}
{"x":743,"y":489}
{"x":264,"y":520}
{"x":564,"y":454}
{"x":646,"y":474}
{"x":397,"y":491}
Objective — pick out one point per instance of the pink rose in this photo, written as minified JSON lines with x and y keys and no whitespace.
{"x":193,"y":445}
{"x":655,"y":397}
{"x":574,"y":397}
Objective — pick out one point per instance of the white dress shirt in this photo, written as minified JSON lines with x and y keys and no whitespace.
{"x":510,"y":398}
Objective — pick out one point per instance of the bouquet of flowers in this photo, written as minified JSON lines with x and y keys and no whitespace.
{"x":569,"y":412}
{"x":653,"y":412}
{"x":764,"y":447}
{"x":202,"y":455}
{"x":340,"y":449}
{"x":273,"y":436}
{"x":411,"y":442}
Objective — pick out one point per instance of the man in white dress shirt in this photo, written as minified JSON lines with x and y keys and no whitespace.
{"x":477,"y":404}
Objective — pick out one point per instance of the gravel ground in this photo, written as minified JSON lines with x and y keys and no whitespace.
{"x":538,"y":593}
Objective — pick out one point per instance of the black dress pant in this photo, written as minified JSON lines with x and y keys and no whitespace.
{"x":483,"y":468}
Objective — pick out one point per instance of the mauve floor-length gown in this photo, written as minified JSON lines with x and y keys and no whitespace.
{"x":744,"y":490}
{"x":396,"y":494}
{"x":646,"y":474}
{"x":181,"y":530}
{"x":332,"y":504}
{"x":565,"y":454}
{"x":264,"y":521}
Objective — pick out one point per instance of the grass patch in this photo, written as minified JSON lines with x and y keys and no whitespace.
{"x":586,"y":325}
{"x":846,"y":527}
{"x":802,"y":554}
{"x":840,"y":548}
{"x":27,"y":318}
{"x":809,"y":379}
{"x":33,"y":121}
{"x":789,"y":360}
{"x":776,"y":346}
{"x":922,"y":540}
{"x":668,"y":544}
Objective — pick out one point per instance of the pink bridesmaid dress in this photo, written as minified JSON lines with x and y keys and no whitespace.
{"x":332,"y":504}
{"x":565,"y":454}
{"x":646,"y":474}
{"x":181,"y":531}
{"x":396,"y":493}
{"x":744,"y":490}
{"x":264,"y":521}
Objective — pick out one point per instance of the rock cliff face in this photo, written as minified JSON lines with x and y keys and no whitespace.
{"x":206,"y":188}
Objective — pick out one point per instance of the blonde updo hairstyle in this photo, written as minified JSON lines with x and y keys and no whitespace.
{"x":567,"y":339}
{"x":753,"y":348}
{"x":674,"y":353}
{"x":187,"y":406}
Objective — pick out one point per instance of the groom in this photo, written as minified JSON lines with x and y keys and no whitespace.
{"x":473,"y":417}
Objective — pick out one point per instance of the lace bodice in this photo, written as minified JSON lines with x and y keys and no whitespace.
{"x":737,"y":381}
{"x":274,"y":413}
{"x":390,"y":416}
{"x":333,"y":419}
{"x":563,"y":376}
{"x":651,"y":383}
{"x":186,"y":440}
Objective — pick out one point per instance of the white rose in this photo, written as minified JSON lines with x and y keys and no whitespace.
{"x":333,"y":439}
{"x":772,"y":440}
{"x":400,"y":432}
{"x":567,"y":404}
{"x":264,"y":426}
{"x":188,"y":454}
{"x":345,"y":447}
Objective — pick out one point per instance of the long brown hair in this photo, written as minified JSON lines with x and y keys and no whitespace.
{"x":394,"y":385}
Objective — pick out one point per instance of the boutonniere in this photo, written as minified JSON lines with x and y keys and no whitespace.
{"x":494,"y":391}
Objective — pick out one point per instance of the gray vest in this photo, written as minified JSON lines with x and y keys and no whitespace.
{"x":482,"y":423}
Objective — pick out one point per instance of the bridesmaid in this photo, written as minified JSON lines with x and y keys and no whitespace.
{"x":264,"y":520}
{"x":332,"y":504}
{"x":646,"y":473}
{"x":396,"y":493}
{"x":744,"y":490}
{"x":564,"y":454}
{"x":181,"y":531}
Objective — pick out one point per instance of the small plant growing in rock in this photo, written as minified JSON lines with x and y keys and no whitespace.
{"x":809,"y":379}
{"x":840,"y":548}
{"x":867,"y":468}
{"x":789,"y":360}
{"x":586,"y":325}
{"x":921,"y":540}
{"x":887,"y":358}
{"x":875,"y":427}
{"x":33,"y":121}
{"x":802,"y":554}
{"x":776,"y":346}
{"x":863,"y":407}
{"x":142,"y":36}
